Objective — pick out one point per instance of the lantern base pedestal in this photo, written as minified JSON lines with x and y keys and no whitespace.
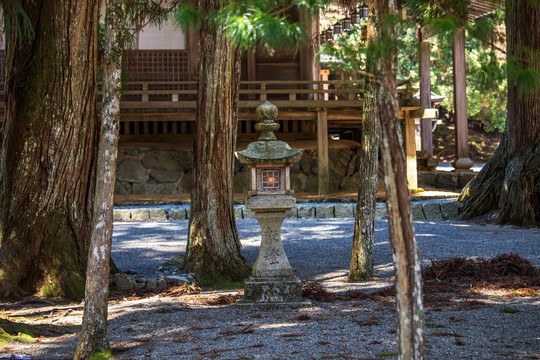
{"x":274,"y":292}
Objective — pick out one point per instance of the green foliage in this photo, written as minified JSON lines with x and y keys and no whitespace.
{"x":527,"y":80}
{"x":486,"y":66}
{"x":11,"y":331}
{"x":16,"y":19}
{"x":102,"y":356}
{"x":224,"y":282}
{"x":251,"y":23}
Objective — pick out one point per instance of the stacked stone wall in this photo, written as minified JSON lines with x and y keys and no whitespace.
{"x":165,"y":169}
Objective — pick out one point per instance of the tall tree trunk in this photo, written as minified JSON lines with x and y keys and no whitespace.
{"x":510,"y":181}
{"x":213,"y":242}
{"x":93,"y":338}
{"x":361,"y":267}
{"x":402,"y":239}
{"x":48,"y":149}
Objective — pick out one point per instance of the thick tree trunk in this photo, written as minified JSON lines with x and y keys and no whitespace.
{"x":213,"y":243}
{"x":402,"y":239}
{"x":93,"y":338}
{"x":361,"y":267}
{"x":48,"y":149}
{"x":510,"y":181}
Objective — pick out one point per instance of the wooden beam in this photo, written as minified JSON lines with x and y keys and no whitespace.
{"x":322,"y":152}
{"x":462,"y":160}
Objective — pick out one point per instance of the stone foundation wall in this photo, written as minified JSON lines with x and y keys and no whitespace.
{"x":445,"y":179}
{"x":165,"y":169}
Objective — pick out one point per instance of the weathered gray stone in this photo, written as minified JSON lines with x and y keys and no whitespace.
{"x":158,"y":159}
{"x":446,"y":180}
{"x":312,"y":183}
{"x":344,"y":210}
{"x":273,"y":290}
{"x":165,"y":175}
{"x":161,"y":284}
{"x":131,"y":151}
{"x":177,"y":214}
{"x":449,"y":209}
{"x":186,"y":185}
{"x":299,"y":182}
{"x":175,"y":280}
{"x":325,"y":211}
{"x":241,"y":182}
{"x":151,"y":284}
{"x":155,"y":189}
{"x":465,"y":177}
{"x":140,"y":214}
{"x":132,"y":171}
{"x":432,"y":211}
{"x":238,"y":212}
{"x":248,"y":214}
{"x":352,"y":182}
{"x":380,"y":211}
{"x":122,"y":188}
{"x":338,"y":166}
{"x":292,"y":213}
{"x":157,"y":214}
{"x":120,"y":156}
{"x":417,"y":211}
{"x":426,"y":178}
{"x":123,"y":282}
{"x":305,"y":211}
{"x":121,"y":215}
{"x":306,"y":162}
{"x":351,"y":169}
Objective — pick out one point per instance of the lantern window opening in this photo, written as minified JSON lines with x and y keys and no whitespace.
{"x":270,"y":179}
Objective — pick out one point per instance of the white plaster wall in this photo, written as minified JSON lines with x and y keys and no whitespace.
{"x":168,"y":37}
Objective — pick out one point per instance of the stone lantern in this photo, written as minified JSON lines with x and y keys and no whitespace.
{"x":269,"y":161}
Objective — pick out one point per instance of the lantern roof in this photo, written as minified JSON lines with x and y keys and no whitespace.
{"x":268,"y":149}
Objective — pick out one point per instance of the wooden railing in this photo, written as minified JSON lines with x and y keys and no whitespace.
{"x":284,"y":94}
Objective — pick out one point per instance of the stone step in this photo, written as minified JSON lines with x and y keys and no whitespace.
{"x":431,"y":210}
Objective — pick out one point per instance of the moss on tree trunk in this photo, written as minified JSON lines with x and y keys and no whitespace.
{"x":361,"y":267}
{"x":48,"y":149}
{"x":510,"y":181}
{"x":213,"y":243}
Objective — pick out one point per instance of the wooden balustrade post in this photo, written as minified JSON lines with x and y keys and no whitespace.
{"x":145,"y":92}
{"x":263,"y":95}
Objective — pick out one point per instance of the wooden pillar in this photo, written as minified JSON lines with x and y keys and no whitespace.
{"x":309,"y":66}
{"x":410,"y":152}
{"x":425,"y":94}
{"x":322,"y":152}
{"x":462,"y":160}
{"x":251,"y":71}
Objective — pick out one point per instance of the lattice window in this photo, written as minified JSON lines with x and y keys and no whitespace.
{"x":270,"y":179}
{"x":157,"y":65}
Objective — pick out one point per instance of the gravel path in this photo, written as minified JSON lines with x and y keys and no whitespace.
{"x":161,"y":328}
{"x":319,"y":249}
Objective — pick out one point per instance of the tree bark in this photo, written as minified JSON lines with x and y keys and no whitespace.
{"x":510,"y":181}
{"x":213,"y":243}
{"x":410,"y":310}
{"x":361,"y":267}
{"x":48,"y":147}
{"x":93,"y":338}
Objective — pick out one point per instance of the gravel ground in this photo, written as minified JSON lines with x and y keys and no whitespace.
{"x":318,"y":249}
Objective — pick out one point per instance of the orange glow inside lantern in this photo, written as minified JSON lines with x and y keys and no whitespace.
{"x":270,"y":179}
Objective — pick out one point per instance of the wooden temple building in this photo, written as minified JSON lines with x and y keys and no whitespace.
{"x":159,"y":107}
